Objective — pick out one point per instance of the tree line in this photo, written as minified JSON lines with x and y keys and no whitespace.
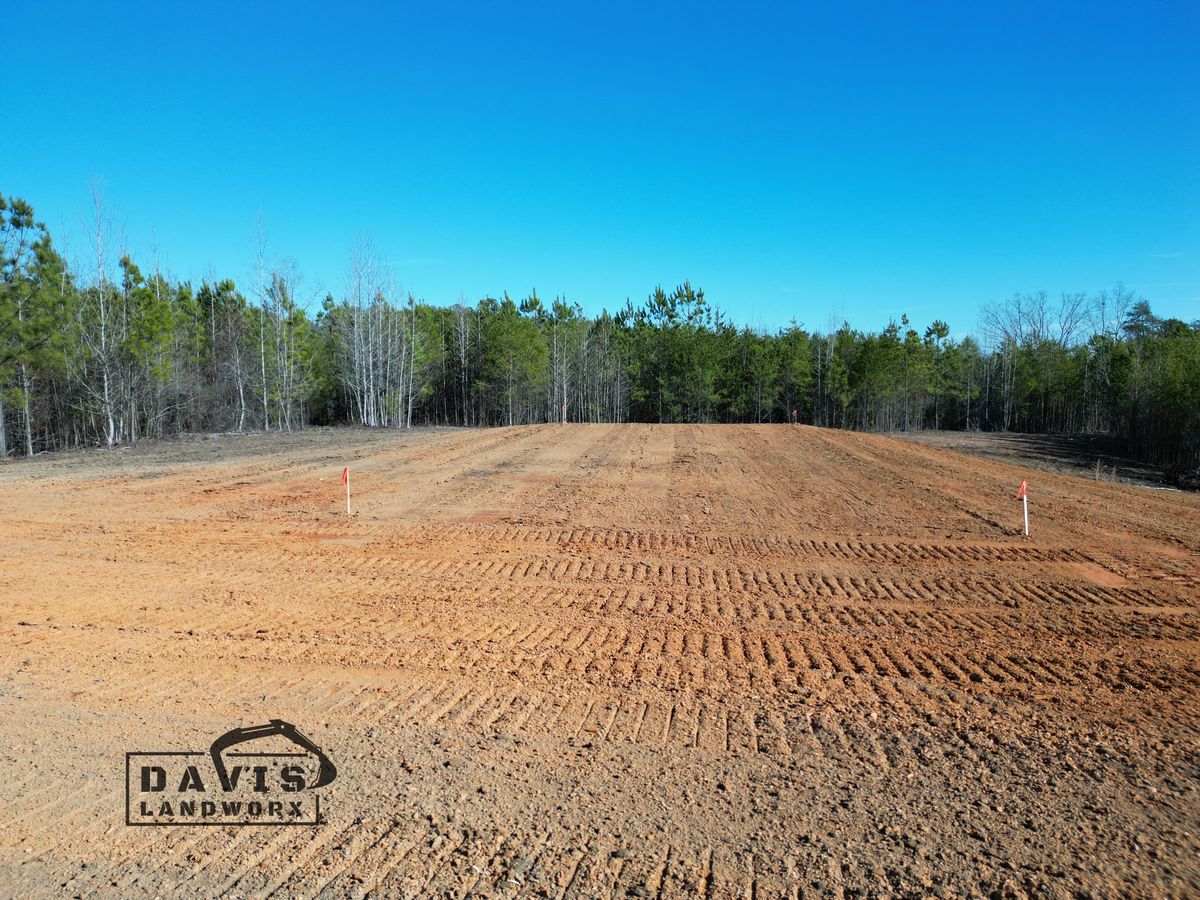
{"x":112,"y":351}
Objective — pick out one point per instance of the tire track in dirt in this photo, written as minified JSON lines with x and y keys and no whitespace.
{"x":613,"y":540}
{"x":737,"y":580}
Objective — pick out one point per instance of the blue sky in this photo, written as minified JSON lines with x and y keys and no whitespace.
{"x":808,"y":162}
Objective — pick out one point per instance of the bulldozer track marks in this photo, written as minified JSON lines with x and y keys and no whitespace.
{"x":674,"y":544}
{"x":715,"y":584}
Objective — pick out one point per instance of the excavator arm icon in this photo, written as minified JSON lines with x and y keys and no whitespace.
{"x":326,"y":773}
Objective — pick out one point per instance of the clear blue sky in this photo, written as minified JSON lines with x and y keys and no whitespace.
{"x":856,"y":160}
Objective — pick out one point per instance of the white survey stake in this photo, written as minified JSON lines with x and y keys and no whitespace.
{"x":1021,"y":495}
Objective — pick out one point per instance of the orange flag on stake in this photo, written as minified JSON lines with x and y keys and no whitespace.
{"x":1021,"y":492}
{"x":346,"y":476}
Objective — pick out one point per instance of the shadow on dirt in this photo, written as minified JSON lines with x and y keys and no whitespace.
{"x":1091,"y":456}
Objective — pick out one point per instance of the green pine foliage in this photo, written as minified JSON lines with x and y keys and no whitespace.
{"x":87,"y":362}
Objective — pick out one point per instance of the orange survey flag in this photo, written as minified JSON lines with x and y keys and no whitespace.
{"x":1021,"y":492}
{"x":346,"y":475}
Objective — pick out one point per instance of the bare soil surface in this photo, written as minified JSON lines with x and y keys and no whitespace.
{"x":605,"y":661}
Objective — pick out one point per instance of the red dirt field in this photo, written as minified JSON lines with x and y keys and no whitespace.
{"x":605,"y":661}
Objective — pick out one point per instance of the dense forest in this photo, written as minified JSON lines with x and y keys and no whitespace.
{"x":114,"y":352}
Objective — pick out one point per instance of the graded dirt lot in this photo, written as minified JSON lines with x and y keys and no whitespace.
{"x":605,"y":661}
